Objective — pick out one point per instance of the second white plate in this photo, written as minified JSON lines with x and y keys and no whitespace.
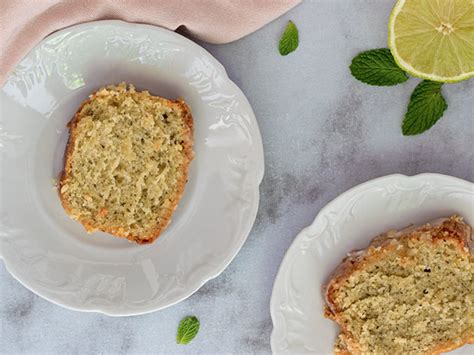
{"x":348,"y":223}
{"x":52,"y":254}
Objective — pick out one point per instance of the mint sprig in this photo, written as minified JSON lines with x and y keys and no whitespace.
{"x":289,"y":39}
{"x":187,"y":330}
{"x":426,"y":107}
{"x":377,"y":67}
{"x":427,"y":104}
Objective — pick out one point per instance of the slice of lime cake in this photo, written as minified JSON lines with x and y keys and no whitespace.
{"x":126,"y":162}
{"x":409,"y":292}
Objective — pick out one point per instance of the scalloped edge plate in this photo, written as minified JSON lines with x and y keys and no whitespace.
{"x":51,"y":254}
{"x":392,"y":201}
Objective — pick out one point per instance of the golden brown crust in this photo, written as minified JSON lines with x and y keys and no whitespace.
{"x":68,"y":158}
{"x":442,"y":348}
{"x":340,"y":347}
{"x":450,"y":228}
{"x":120,"y":231}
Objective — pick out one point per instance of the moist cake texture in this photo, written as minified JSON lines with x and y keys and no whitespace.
{"x":126,"y":162}
{"x":409,"y":292}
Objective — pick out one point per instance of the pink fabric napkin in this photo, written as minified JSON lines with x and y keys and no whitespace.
{"x":23,"y":23}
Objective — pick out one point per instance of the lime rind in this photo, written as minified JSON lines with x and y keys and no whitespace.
{"x":407,"y":66}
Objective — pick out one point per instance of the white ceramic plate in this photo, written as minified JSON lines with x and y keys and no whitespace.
{"x":51,"y":254}
{"x":347,"y":223}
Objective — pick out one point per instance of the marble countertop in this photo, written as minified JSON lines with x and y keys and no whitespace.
{"x":323,"y":132}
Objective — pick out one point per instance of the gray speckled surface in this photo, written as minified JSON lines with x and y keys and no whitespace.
{"x":323,"y":132}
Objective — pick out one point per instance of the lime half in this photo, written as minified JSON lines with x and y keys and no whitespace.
{"x":433,"y":39}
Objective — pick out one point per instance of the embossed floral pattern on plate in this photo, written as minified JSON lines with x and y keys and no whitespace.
{"x":348,"y":223}
{"x":51,"y":254}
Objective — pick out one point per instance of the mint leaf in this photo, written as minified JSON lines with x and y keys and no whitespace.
{"x":187,"y":330}
{"x":377,"y":67}
{"x":426,"y":107}
{"x":289,"y":40}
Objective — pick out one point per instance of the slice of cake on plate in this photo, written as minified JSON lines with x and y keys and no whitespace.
{"x":127,"y":162}
{"x":409,"y":292}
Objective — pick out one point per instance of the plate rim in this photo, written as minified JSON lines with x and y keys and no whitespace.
{"x":188,"y":41}
{"x":257,"y":149}
{"x":321,"y":212}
